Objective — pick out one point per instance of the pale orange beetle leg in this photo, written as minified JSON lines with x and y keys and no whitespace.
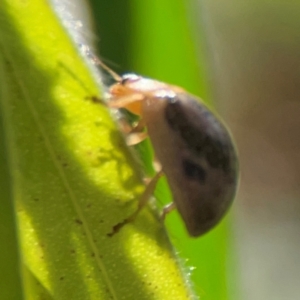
{"x":149,"y":190}
{"x":142,"y":202}
{"x":167,"y":209}
{"x":128,"y":129}
{"x":125,"y":127}
{"x":123,"y":101}
{"x":139,"y":126}
{"x":134,"y":135}
{"x":135,"y":138}
{"x":156,"y":164}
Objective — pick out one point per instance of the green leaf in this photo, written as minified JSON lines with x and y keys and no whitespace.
{"x":73,"y":177}
{"x":10,"y":279}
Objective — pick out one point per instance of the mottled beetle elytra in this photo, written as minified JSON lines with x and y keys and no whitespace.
{"x":194,"y":148}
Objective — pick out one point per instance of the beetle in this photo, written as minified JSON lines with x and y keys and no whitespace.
{"x":194,"y":147}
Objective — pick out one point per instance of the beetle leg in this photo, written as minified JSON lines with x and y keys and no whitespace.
{"x":149,"y":190}
{"x":142,"y":202}
{"x":156,"y":164}
{"x":139,"y":126}
{"x":135,"y":138}
{"x":167,"y":209}
{"x":125,"y":100}
{"x":125,"y":127}
{"x":135,"y":134}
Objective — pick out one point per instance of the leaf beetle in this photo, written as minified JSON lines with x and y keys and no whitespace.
{"x":195,"y":149}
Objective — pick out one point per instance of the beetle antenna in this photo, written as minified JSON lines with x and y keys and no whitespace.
{"x":98,"y":62}
{"x":114,"y":75}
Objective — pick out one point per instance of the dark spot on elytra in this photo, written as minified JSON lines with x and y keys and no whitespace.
{"x":205,"y":136}
{"x":193,"y":170}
